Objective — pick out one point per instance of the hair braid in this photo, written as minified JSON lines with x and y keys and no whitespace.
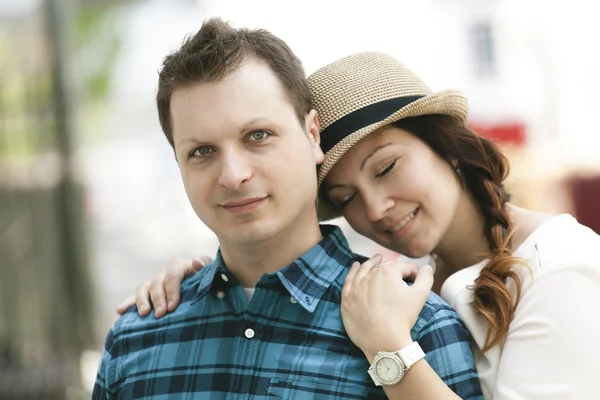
{"x":493,"y":298}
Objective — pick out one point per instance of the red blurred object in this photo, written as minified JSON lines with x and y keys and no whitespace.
{"x":513,"y":133}
{"x":585,"y":192}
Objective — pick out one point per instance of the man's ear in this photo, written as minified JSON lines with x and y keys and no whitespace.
{"x":313,"y":131}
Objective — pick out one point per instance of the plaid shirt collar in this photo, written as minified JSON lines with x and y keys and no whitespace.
{"x":306,"y":279}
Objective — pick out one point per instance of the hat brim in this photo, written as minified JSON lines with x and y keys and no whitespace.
{"x":447,"y":102}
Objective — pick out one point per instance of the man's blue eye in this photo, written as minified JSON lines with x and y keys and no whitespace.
{"x":258,"y":135}
{"x":202,"y":151}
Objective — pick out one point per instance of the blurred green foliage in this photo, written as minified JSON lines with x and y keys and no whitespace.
{"x":96,"y":35}
{"x":26,"y":90}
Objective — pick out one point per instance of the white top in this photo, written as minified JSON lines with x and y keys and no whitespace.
{"x":553,"y":346}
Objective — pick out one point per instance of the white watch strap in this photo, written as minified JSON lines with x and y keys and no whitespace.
{"x":411,"y":354}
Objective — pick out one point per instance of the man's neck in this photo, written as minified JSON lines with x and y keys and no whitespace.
{"x":249,"y":261}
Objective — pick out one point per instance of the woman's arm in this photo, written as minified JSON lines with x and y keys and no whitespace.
{"x":380,"y":309}
{"x":420,"y":383}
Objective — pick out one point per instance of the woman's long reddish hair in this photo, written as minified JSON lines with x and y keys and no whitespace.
{"x":481,"y":168}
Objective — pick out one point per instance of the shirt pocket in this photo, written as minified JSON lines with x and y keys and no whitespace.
{"x":305,"y":388}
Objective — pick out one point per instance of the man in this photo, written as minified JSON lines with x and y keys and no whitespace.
{"x":263,"y":320}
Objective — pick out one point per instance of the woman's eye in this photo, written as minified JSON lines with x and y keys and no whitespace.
{"x":258,"y":135}
{"x":386,"y":170}
{"x":345,"y":201}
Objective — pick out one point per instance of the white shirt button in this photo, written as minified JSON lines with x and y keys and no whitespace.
{"x":293,"y":300}
{"x":249,"y":333}
{"x":224,"y":277}
{"x":220,"y":294}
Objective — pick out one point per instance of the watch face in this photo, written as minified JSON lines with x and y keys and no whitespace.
{"x":388,"y":369}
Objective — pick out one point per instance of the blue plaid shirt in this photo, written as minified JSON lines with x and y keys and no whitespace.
{"x":288,"y":342}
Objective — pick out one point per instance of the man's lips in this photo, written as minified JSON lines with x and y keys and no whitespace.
{"x":243,"y":202}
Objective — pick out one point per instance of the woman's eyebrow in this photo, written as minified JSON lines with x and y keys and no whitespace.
{"x":375,"y":150}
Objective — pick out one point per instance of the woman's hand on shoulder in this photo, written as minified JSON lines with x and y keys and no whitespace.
{"x":379,"y":308}
{"x":164,"y":289}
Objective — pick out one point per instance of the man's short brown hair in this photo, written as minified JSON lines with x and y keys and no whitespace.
{"x":216,"y":51}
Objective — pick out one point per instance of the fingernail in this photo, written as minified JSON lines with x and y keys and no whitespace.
{"x":143,"y":307}
{"x":171,"y":304}
{"x":159,"y":309}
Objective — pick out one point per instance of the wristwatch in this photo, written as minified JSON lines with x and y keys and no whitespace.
{"x":388,"y":368}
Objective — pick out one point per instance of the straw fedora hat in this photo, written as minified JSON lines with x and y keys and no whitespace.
{"x":359,"y":94}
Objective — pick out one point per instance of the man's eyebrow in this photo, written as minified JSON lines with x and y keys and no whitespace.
{"x":189,"y":140}
{"x":253,"y":121}
{"x":244,"y":129}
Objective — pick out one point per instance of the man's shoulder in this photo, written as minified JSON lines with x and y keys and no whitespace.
{"x":131,"y":321}
{"x":359,"y":257}
{"x":436,"y":311}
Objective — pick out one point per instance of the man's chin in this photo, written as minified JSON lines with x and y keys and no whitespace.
{"x":250,"y":232}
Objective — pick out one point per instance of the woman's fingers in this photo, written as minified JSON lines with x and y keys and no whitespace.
{"x":201,"y":262}
{"x":350,"y":278}
{"x":158,"y":294}
{"x":367,"y":266}
{"x":142,"y":298}
{"x":129,"y":302}
{"x":424,"y":281}
{"x":409,"y":271}
{"x":165,"y":288}
{"x":177,"y":270}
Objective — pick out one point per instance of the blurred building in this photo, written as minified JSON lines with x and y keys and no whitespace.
{"x":44,"y":288}
{"x":531,"y":79}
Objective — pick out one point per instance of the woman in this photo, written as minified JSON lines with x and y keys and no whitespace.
{"x":405,"y":171}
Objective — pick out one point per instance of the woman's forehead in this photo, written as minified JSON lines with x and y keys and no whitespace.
{"x":386,"y":133}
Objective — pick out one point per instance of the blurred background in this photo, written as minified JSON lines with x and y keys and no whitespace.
{"x":91,"y":202}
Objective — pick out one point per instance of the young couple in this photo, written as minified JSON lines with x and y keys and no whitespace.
{"x":286,"y":310}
